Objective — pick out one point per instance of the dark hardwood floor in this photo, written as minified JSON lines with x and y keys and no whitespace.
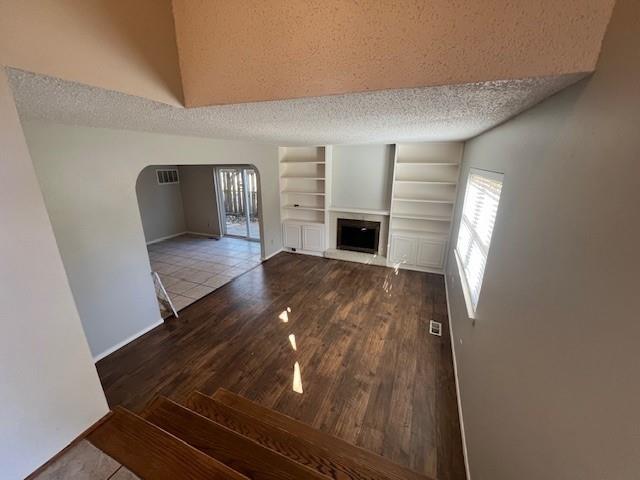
{"x":371,"y":373}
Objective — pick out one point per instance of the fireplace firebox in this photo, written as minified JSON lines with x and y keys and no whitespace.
{"x":358,"y":235}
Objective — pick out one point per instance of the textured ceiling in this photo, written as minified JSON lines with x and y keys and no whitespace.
{"x":443,"y":113}
{"x":123,"y":45}
{"x":255,"y":50}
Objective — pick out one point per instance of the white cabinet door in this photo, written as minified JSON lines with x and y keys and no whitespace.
{"x":291,"y":234}
{"x":403,"y":249}
{"x":313,"y":238}
{"x":431,"y":253}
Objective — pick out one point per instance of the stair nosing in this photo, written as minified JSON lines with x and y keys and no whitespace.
{"x":401,"y":472}
{"x":229,"y":431}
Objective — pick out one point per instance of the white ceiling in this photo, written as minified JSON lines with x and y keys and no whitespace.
{"x":453,"y":112}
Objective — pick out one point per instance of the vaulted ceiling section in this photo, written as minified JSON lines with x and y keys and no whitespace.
{"x":256,"y":50}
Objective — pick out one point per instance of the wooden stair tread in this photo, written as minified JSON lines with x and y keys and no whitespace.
{"x":225,"y":445}
{"x":152,"y":453}
{"x":320,"y":459}
{"x":311,"y":435}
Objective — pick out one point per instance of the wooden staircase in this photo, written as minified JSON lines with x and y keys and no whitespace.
{"x":229,"y":437}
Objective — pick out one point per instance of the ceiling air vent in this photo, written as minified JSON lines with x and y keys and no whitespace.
{"x":167,"y":177}
{"x":435,"y":328}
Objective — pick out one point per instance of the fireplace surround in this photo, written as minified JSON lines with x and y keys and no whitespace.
{"x":358,"y":235}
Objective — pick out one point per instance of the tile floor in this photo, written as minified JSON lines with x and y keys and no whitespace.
{"x":190,"y":266}
{"x":83,"y":461}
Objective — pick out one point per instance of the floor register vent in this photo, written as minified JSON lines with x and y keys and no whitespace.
{"x":435,"y":328}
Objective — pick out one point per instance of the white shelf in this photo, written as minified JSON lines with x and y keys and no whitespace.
{"x":418,"y":232}
{"x":297,"y":177}
{"x":296,"y":192}
{"x":434,"y":218}
{"x":422,"y":200}
{"x":427,"y":182}
{"x":298,"y":220}
{"x":318,"y":162}
{"x":303,"y":207}
{"x":428,"y":164}
{"x":359,"y":210}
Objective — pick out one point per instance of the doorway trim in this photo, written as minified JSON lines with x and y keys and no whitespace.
{"x":220,"y":200}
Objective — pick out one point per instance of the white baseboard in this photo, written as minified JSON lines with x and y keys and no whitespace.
{"x":161,"y":239}
{"x":121,"y":344}
{"x":455,"y":373}
{"x":273,"y":254}
{"x":304,"y":252}
{"x":201,"y":234}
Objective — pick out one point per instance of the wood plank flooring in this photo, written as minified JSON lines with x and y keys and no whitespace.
{"x":371,"y":374}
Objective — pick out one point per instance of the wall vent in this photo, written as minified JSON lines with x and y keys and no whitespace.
{"x":167,"y":177}
{"x":435,"y":328}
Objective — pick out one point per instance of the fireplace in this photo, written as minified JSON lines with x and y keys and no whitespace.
{"x":358,"y":235}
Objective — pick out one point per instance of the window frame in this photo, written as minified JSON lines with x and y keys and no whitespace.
{"x":466,"y":290}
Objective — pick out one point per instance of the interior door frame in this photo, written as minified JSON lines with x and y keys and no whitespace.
{"x":222,"y":214}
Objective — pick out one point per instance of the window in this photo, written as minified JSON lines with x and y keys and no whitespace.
{"x":479,"y":212}
{"x":167,"y":177}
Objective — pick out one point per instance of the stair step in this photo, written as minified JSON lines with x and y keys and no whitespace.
{"x":372,"y":461}
{"x":225,"y":445}
{"x":320,"y":459}
{"x":154,"y":454}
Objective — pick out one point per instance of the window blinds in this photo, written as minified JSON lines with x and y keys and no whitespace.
{"x":476,"y":227}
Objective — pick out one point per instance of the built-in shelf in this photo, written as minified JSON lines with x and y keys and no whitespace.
{"x":418,"y":232}
{"x":296,"y":192}
{"x":427,"y":182}
{"x":304,"y":207}
{"x":318,"y":162}
{"x":435,"y":218}
{"x":428,"y":164}
{"x":298,"y":220}
{"x":298,"y":177}
{"x":422,"y":200}
{"x":359,"y":210}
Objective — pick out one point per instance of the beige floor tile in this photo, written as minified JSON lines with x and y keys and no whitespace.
{"x":82,"y":462}
{"x":180,"y":301}
{"x":180,"y":287}
{"x":192,"y":275}
{"x":211,"y":267}
{"x":218,"y":280}
{"x":198,"y":291}
{"x":168,"y":280}
{"x":165,"y":267}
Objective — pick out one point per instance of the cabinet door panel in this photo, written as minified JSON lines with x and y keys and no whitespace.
{"x":291,"y":235}
{"x":403,"y":249}
{"x":431,"y":253}
{"x":313,"y":238}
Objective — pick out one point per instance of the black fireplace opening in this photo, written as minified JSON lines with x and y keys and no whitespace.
{"x":358,"y":235}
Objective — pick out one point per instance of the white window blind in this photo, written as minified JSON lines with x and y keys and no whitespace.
{"x":479,"y":212}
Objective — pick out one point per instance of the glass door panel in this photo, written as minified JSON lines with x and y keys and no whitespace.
{"x":251,"y":181}
{"x":239,"y":197}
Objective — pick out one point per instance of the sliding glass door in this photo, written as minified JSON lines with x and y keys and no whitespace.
{"x":239,"y":202}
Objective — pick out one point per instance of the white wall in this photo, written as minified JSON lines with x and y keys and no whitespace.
{"x":550,"y":370}
{"x":88,"y":177}
{"x":161,"y":209}
{"x":361,"y":176}
{"x":199,"y":198}
{"x":49,"y":389}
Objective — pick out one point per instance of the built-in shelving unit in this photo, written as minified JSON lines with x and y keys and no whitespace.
{"x":409,"y":188}
{"x":302,"y":183}
{"x":425,"y":180}
{"x":303,"y":190}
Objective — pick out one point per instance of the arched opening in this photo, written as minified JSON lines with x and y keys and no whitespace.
{"x":202,"y":226}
